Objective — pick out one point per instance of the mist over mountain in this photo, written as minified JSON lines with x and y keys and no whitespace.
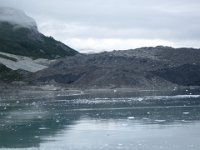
{"x":17,"y":18}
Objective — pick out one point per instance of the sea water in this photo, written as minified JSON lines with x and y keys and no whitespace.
{"x":50,"y":120}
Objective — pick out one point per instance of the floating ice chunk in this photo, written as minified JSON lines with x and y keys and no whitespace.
{"x":131,"y":118}
{"x":9,"y":117}
{"x":185,"y":121}
{"x":33,"y":103}
{"x":145,"y":118}
{"x":186,"y":113}
{"x":148,"y":113}
{"x":175,"y":88}
{"x":160,"y":120}
{"x":39,"y":117}
{"x":43,"y":128}
{"x":124,"y":125}
{"x":140,"y":99}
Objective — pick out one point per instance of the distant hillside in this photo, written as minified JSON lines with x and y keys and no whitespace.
{"x":186,"y":75}
{"x":144,"y":68}
{"x":19,"y":36}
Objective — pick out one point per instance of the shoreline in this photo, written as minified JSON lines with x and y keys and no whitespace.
{"x":58,"y":88}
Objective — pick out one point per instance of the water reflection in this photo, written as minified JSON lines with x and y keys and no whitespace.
{"x":99,"y":121}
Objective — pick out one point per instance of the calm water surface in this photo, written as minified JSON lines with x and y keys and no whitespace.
{"x":100,"y":120}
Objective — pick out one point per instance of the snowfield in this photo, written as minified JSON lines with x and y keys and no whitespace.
{"x":24,"y":63}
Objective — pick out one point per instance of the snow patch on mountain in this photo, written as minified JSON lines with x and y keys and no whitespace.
{"x":16,"y":17}
{"x":16,"y":62}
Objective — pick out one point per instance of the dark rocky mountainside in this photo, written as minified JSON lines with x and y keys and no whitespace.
{"x":19,"y":36}
{"x":31,"y":43}
{"x":186,"y":75}
{"x":8,"y":75}
{"x":148,"y":67}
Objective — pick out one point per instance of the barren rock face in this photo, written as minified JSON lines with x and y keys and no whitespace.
{"x":148,"y":68}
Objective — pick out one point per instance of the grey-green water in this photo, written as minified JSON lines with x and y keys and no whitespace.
{"x":100,"y":121}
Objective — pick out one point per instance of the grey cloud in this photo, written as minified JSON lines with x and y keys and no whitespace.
{"x":173,"y":20}
{"x":16,"y":17}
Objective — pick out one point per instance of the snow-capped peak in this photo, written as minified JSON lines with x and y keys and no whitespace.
{"x":16,"y":17}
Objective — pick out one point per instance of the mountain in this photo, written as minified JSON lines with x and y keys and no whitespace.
{"x":19,"y":36}
{"x":144,"y":68}
{"x":29,"y":56}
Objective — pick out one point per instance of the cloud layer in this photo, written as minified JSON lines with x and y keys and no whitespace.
{"x":116,"y":24}
{"x":16,"y":17}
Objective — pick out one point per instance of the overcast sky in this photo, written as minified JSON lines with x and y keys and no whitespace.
{"x":96,"y":25}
